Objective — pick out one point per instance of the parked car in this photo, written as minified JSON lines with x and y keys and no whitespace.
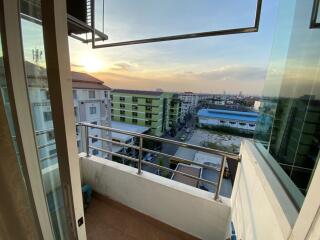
{"x":183,"y":137}
{"x":148,"y":157}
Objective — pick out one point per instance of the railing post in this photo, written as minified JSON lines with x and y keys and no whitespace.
{"x":223,"y":163}
{"x":87,"y":140}
{"x":140,"y":155}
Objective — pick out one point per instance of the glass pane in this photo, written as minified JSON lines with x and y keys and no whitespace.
{"x":125,"y":20}
{"x":39,"y":97}
{"x":289,"y":125}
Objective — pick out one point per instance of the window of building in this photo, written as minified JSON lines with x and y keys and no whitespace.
{"x":134,"y":121}
{"x":122,"y":99}
{"x":92,"y":94}
{"x":111,"y":104}
{"x":50,"y":136}
{"x":148,"y":123}
{"x":221,"y":121}
{"x":74,"y":93}
{"x":148,"y":108}
{"x":122,"y":105}
{"x":105,"y":94}
{"x":93,"y":110}
{"x":149,"y":100}
{"x":242,"y":124}
{"x":111,"y":110}
{"x":52,"y":152}
{"x":93,"y":140}
{"x":134,"y":107}
{"x":134,"y":99}
{"x":252,"y":125}
{"x":134,"y":114}
{"x":75,"y":110}
{"x":47,"y":116}
{"x":45,"y":93}
{"x":148,"y":115}
{"x":122,"y":112}
{"x":122,"y":119}
{"x":232,"y":123}
{"x":112,"y":118}
{"x":111,"y":97}
{"x":95,"y":122}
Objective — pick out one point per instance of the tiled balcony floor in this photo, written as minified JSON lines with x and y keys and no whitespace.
{"x":107,"y":219}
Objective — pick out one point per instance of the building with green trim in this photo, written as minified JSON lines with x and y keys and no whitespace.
{"x":159,"y":111}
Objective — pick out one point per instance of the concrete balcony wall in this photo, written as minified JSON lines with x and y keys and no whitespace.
{"x":261,"y":208}
{"x":186,"y":208}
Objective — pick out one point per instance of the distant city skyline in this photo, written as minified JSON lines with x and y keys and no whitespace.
{"x":230,"y":63}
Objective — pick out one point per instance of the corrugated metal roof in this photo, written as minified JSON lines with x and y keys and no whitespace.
{"x":229,"y":115}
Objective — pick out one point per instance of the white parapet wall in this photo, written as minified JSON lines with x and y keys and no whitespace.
{"x":261,"y":209}
{"x":186,"y":208}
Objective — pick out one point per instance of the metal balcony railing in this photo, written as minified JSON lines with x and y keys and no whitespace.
{"x":220,"y":169}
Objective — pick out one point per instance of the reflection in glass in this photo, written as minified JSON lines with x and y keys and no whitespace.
{"x":289,"y":125}
{"x":39,"y":98}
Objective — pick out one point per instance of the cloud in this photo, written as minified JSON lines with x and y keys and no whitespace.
{"x":232,"y":79}
{"x":123,"y":66}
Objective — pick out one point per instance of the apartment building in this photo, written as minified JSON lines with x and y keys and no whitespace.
{"x":91,"y":103}
{"x":190,"y":100}
{"x":156,"y":110}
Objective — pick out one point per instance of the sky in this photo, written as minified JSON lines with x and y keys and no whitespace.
{"x":231,"y":63}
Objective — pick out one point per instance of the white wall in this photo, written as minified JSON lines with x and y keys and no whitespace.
{"x":186,"y":208}
{"x":261,"y":208}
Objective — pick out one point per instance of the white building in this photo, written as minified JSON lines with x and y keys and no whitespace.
{"x":190,"y":100}
{"x":91,"y":101}
{"x":240,"y":120}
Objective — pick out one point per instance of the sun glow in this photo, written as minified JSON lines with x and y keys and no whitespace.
{"x":91,"y":63}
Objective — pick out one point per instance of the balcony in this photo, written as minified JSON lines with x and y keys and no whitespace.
{"x":131,"y":203}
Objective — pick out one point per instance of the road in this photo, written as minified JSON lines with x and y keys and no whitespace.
{"x":171,"y":149}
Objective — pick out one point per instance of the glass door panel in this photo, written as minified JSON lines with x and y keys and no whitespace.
{"x":40,"y":105}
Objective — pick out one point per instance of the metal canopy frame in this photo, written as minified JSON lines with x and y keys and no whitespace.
{"x":314,"y":15}
{"x":251,"y":29}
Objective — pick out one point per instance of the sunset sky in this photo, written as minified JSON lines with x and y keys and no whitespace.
{"x":209,"y":65}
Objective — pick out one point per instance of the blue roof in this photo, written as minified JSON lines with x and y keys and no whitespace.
{"x":229,"y":115}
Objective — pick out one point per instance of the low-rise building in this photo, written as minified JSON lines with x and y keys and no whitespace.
{"x":245,"y":121}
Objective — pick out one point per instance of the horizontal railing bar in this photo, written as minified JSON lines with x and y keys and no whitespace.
{"x":115,"y":142}
{"x":115,"y":154}
{"x":155,"y":165}
{"x":46,"y":145}
{"x":44,"y":131}
{"x":186,"y":145}
{"x":171,"y":157}
{"x":182,"y":160}
{"x":178,"y":172}
{"x":51,"y":156}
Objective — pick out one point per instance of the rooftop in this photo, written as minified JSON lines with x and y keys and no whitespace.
{"x":191,"y":170}
{"x":86,"y":81}
{"x":230,"y":115}
{"x":139,"y":92}
{"x":127,"y":127}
